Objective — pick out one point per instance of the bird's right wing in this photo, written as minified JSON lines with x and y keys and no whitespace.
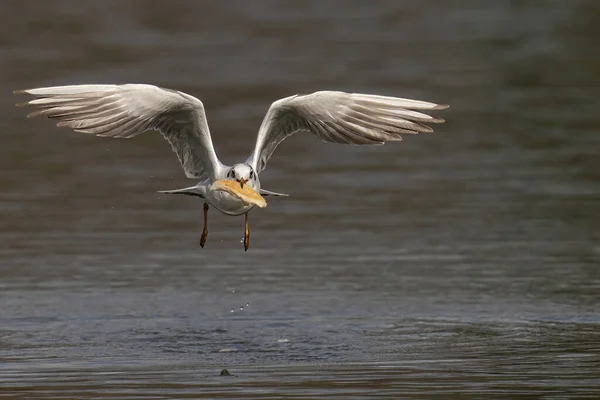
{"x":339,"y":117}
{"x":124,"y":111}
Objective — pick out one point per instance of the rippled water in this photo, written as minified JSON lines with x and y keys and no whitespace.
{"x":463,"y":263}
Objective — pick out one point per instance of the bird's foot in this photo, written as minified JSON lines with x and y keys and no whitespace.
{"x":246,"y":235}
{"x":205,"y":229}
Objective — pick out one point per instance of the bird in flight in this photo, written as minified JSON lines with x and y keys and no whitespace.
{"x":125,"y":111}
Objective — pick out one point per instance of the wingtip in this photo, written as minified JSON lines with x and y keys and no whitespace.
{"x":441,"y":107}
{"x":20,"y":91}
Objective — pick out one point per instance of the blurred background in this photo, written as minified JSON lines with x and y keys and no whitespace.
{"x":460,"y":262}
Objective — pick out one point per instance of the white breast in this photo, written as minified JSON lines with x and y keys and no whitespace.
{"x":227,"y":203}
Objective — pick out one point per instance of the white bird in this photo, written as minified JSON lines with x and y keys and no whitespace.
{"x":124,"y":111}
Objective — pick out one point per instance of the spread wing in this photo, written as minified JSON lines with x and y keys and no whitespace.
{"x":124,"y":111}
{"x":340,"y":117}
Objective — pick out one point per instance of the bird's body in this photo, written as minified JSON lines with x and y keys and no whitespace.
{"x":223,"y":201}
{"x":226,"y":202}
{"x":124,"y":111}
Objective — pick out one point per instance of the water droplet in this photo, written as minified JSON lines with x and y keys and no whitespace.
{"x":247,"y":304}
{"x":232,"y":310}
{"x":233,"y":291}
{"x":241,"y":308}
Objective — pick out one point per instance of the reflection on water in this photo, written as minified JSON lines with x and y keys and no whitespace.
{"x":459,"y":263}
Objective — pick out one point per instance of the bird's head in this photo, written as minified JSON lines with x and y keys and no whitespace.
{"x":243,"y":173}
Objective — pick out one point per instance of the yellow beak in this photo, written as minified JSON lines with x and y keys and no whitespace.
{"x":242,"y":181}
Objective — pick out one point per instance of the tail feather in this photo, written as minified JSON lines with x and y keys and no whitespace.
{"x":190,"y":191}
{"x":264,"y":192}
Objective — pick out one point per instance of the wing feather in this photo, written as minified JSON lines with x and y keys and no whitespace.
{"x":339,"y":117}
{"x":125,"y":111}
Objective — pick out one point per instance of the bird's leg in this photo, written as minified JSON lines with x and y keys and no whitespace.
{"x":246,"y":235}
{"x":205,"y":230}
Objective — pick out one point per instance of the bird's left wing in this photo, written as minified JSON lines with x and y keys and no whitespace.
{"x":340,"y":117}
{"x":124,"y":111}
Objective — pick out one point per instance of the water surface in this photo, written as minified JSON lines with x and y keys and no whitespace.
{"x":462,"y":263}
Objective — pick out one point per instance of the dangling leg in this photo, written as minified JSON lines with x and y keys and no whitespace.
{"x":246,"y":235}
{"x":205,"y":230}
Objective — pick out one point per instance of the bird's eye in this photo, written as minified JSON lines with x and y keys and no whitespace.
{"x":251,"y":174}
{"x":233,"y":174}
